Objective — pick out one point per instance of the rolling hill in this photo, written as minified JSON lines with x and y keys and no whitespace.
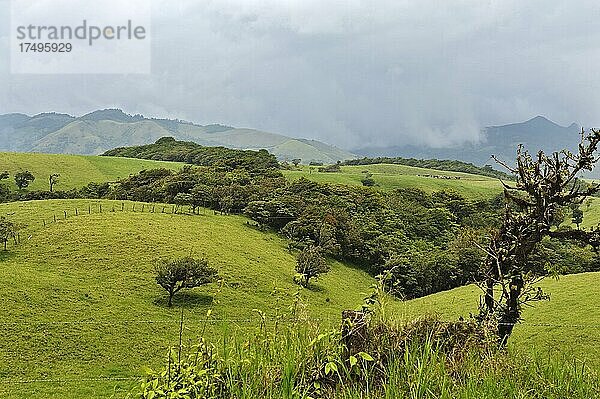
{"x":81,"y":303}
{"x":78,"y":170}
{"x":85,"y":328}
{"x":102,"y":130}
{"x":83,"y":314}
{"x":567,"y":323}
{"x":392,"y":176}
{"x":75,"y":170}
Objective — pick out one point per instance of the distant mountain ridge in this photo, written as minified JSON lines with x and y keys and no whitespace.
{"x":535,"y":134}
{"x":99,"y":131}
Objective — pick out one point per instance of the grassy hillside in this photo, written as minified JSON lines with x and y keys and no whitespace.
{"x":389,"y":177}
{"x":591,"y":212}
{"x":568,"y":323}
{"x":75,"y":170}
{"x":80,"y":302}
{"x":78,"y":170}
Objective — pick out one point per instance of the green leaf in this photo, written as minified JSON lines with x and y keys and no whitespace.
{"x":366,"y":356}
{"x":330,"y":367}
{"x":353,"y":361}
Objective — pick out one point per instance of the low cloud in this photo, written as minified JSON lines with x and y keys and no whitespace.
{"x":351,"y":73}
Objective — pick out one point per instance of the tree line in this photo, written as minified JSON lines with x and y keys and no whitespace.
{"x":169,"y":149}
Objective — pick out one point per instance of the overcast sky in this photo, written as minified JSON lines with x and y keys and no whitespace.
{"x":350,"y":73}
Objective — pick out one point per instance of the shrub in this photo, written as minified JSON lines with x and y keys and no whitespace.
{"x":187,"y":272}
{"x":310,"y":264}
{"x":22,"y":179}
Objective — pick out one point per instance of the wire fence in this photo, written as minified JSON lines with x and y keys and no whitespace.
{"x":114,"y":206}
{"x":111,"y":206}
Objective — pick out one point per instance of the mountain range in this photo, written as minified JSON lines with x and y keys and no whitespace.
{"x":502,"y":141}
{"x":102,"y":130}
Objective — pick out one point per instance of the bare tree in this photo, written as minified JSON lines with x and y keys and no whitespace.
{"x":544,"y":183}
{"x":53,"y":179}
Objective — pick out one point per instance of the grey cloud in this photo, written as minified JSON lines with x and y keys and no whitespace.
{"x":352,"y":73}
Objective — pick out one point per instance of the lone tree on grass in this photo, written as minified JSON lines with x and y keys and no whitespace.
{"x":8,"y":230}
{"x":544,"y":183}
{"x":52,"y":180}
{"x":310,"y":263}
{"x":175,"y":275}
{"x":23,"y":179}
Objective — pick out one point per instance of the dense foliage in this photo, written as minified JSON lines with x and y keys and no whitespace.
{"x":169,"y":149}
{"x":448,"y":165}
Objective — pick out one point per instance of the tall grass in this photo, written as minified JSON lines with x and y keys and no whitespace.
{"x":301,"y":361}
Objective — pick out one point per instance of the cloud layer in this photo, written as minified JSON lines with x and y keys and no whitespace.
{"x":351,"y":73}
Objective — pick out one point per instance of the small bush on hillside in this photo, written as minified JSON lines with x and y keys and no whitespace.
{"x":8,"y":230}
{"x":175,"y":275}
{"x":368,"y":181}
{"x":4,"y":192}
{"x":23,"y":179}
{"x":310,"y":264}
{"x":331,"y":168}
